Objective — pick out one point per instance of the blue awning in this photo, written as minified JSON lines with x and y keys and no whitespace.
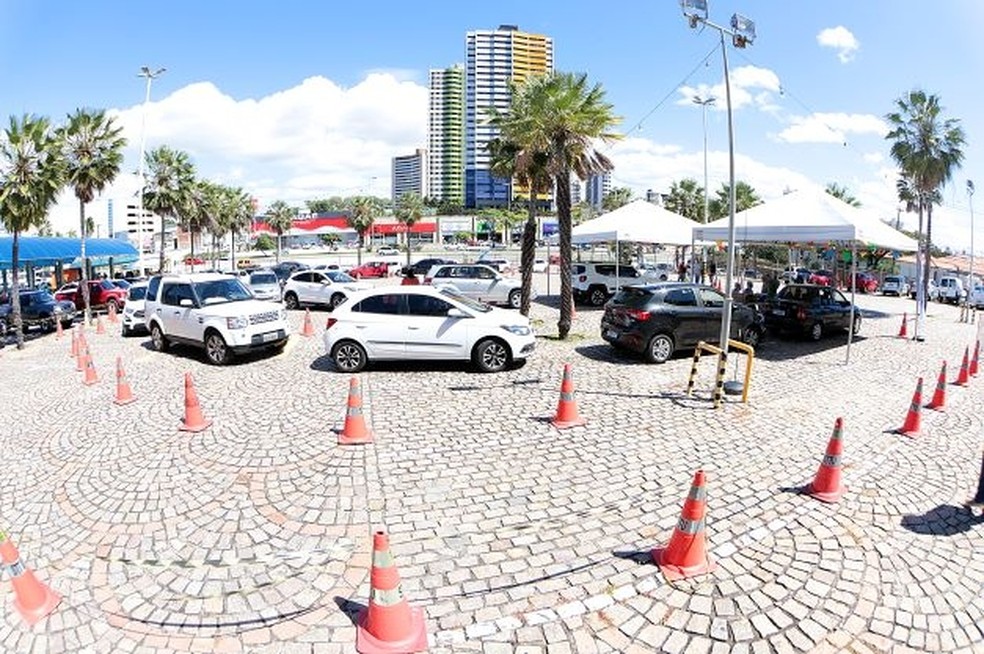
{"x":47,"y":251}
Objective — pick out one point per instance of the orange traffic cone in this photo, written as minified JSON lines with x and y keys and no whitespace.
{"x":978,"y":499}
{"x":389,"y":625}
{"x":74,"y":353}
{"x":355,"y":431}
{"x":913,"y":418}
{"x":100,"y":327}
{"x":973,"y":360}
{"x":32,"y":599}
{"x":904,"y":329}
{"x":123,"y":393}
{"x":59,"y":332}
{"x":939,"y":396}
{"x":686,"y":553}
{"x":90,"y":371}
{"x":964,"y":375}
{"x":193,"y":420}
{"x":308,"y":328}
{"x":567,"y":414}
{"x":112,"y":314}
{"x":827,"y":485}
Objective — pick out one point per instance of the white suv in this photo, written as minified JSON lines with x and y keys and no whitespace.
{"x":594,"y":283}
{"x":212,"y":311}
{"x":478,"y":282}
{"x":326,"y":287}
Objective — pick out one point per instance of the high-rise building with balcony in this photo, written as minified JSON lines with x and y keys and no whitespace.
{"x":493,"y":60}
{"x":410,"y":174}
{"x":446,"y":135}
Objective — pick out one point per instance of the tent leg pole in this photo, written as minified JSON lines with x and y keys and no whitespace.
{"x":854,"y":282}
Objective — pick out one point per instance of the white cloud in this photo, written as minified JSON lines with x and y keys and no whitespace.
{"x":841,"y":39}
{"x":745,"y":81}
{"x":874,"y":157}
{"x":831,"y":127}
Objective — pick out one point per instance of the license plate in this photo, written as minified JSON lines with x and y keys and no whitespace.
{"x":611,"y":333}
{"x":778,"y":312}
{"x":270,"y":336}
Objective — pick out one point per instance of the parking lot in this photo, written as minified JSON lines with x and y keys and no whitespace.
{"x":255,"y":534}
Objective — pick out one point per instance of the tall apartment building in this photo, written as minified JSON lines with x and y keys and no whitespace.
{"x":410,"y":174}
{"x":596,"y":188}
{"x":493,"y":60}
{"x":446,"y":135}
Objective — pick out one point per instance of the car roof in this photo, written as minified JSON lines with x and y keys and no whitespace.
{"x":195,"y":277}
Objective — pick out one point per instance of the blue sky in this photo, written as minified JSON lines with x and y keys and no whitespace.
{"x":233,"y":93}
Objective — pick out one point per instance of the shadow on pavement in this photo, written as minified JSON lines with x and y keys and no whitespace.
{"x":943,"y":520}
{"x":641,"y":557}
{"x":608,"y":354}
{"x":784,"y":348}
{"x":349,"y":608}
{"x":324,"y":363}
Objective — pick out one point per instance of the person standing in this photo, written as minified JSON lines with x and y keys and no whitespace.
{"x":714,"y":271}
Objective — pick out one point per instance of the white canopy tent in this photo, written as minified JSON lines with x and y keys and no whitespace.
{"x":811,"y":217}
{"x":638,"y":221}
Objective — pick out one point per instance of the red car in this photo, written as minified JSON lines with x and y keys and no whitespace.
{"x":102,"y":294}
{"x":194,"y":261}
{"x":866,"y":282}
{"x":821,"y":278}
{"x":370,"y":269}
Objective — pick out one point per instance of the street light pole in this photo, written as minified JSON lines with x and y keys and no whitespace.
{"x":970,"y":201}
{"x":149,"y":75}
{"x":703,"y":102}
{"x":742,"y":33}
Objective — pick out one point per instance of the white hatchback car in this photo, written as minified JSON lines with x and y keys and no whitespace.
{"x":325,"y":287}
{"x":133,"y":310}
{"x":478,"y":282}
{"x":423,"y":323}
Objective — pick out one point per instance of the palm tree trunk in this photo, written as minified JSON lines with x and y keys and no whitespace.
{"x":929,"y":247}
{"x":279,"y":237}
{"x":563,"y":183}
{"x":161,"y":265}
{"x":232,"y":250}
{"x":192,"y":255}
{"x":408,"y":246}
{"x":15,"y":307}
{"x":84,"y":285}
{"x":527,"y":256}
{"x":358,"y":250}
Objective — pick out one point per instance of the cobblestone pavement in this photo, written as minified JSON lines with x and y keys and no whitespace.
{"x":254,"y":535}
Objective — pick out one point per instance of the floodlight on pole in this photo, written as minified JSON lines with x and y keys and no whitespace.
{"x":970,"y":201}
{"x":742,"y":33}
{"x":149,"y":75}
{"x":704,"y":103}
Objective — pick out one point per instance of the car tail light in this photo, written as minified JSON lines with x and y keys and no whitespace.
{"x":801,"y":314}
{"x":428,"y":280}
{"x":331,"y":323}
{"x":638,"y":314}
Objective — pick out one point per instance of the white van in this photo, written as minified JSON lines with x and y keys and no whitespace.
{"x":951,"y":290}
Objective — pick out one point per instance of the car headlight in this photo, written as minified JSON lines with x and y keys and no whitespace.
{"x":239,"y":322}
{"x":519,"y":330}
{"x":283,"y":314}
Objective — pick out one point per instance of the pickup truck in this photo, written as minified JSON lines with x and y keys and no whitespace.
{"x":102,"y":294}
{"x":38,"y":309}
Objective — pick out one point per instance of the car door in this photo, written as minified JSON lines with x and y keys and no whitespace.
{"x":319,"y":288}
{"x":486,"y":285}
{"x":177,"y":319}
{"x":431,"y":333}
{"x":378,"y":324}
{"x":463,"y":279}
{"x":683,"y":315}
{"x":842,"y":307}
{"x":301,"y":285}
{"x":708,"y":326}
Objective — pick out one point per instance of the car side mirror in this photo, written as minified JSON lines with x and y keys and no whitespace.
{"x":457,"y":313}
{"x":498,"y":278}
{"x":187,"y":303}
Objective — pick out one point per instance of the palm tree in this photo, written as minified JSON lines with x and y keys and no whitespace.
{"x":220,"y":220}
{"x":238,"y":209}
{"x":686,"y":198}
{"x":280,"y":217}
{"x":201,"y":206}
{"x":32,"y":173}
{"x":170,"y":175}
{"x":842,"y":193}
{"x":615,"y":198}
{"x":583,"y":211}
{"x":409,"y":209}
{"x":93,"y":150}
{"x":928,"y":149}
{"x":745,"y":198}
{"x":362,"y":214}
{"x":562,"y":117}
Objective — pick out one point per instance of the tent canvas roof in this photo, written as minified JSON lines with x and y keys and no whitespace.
{"x":47,"y":251}
{"x":638,"y":221}
{"x":808,"y":216}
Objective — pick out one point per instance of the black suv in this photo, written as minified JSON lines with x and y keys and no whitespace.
{"x":39,"y":308}
{"x":421,"y":267}
{"x":285,"y":269}
{"x":656,"y":320}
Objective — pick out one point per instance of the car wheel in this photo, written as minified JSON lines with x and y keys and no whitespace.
{"x":491,"y":355}
{"x":290,"y":300}
{"x":336,"y":299}
{"x":816,"y":331}
{"x":157,"y":338}
{"x":126,"y":331}
{"x":514,"y":298}
{"x":752,"y":336}
{"x":216,"y":350}
{"x":597,"y":296}
{"x":349,"y":356}
{"x":660,"y":348}
{"x":47,"y":325}
{"x":857,"y":325}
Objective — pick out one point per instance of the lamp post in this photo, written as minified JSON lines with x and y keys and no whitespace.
{"x":742,"y":33}
{"x":149,"y":75}
{"x":704,"y":103}
{"x":970,"y":201}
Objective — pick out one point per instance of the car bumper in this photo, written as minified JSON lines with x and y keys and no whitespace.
{"x":626,"y":339}
{"x":132,"y":322}
{"x":245,"y":342}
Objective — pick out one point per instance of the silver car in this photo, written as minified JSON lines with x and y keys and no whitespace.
{"x":265,"y":285}
{"x":478,"y":282}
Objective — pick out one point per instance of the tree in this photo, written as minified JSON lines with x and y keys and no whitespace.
{"x":334,"y":204}
{"x":842,"y":193}
{"x":93,"y":151}
{"x":280,"y":217}
{"x":32,"y":173}
{"x":219,"y":222}
{"x":615,"y":198}
{"x":928,"y":148}
{"x":582,"y":212}
{"x":562,"y":117}
{"x":265,"y":243}
{"x":202,"y":210}
{"x":745,"y":198}
{"x":362,"y":214}
{"x":409,"y":209}
{"x":686,"y":198}
{"x":239,"y":206}
{"x":170,"y":175}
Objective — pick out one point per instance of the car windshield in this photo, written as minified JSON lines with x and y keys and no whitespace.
{"x":106,"y":284}
{"x":121,"y":283}
{"x":474,"y":305}
{"x":635,"y":298}
{"x":36,"y":297}
{"x":219,"y":291}
{"x":262,"y":278}
{"x":339,"y":276}
{"x":137,"y":293}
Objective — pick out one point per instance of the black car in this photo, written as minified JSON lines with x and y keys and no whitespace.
{"x":657,"y":320}
{"x":421,"y":267}
{"x":39,"y":308}
{"x":811,"y":310}
{"x":285,"y":269}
